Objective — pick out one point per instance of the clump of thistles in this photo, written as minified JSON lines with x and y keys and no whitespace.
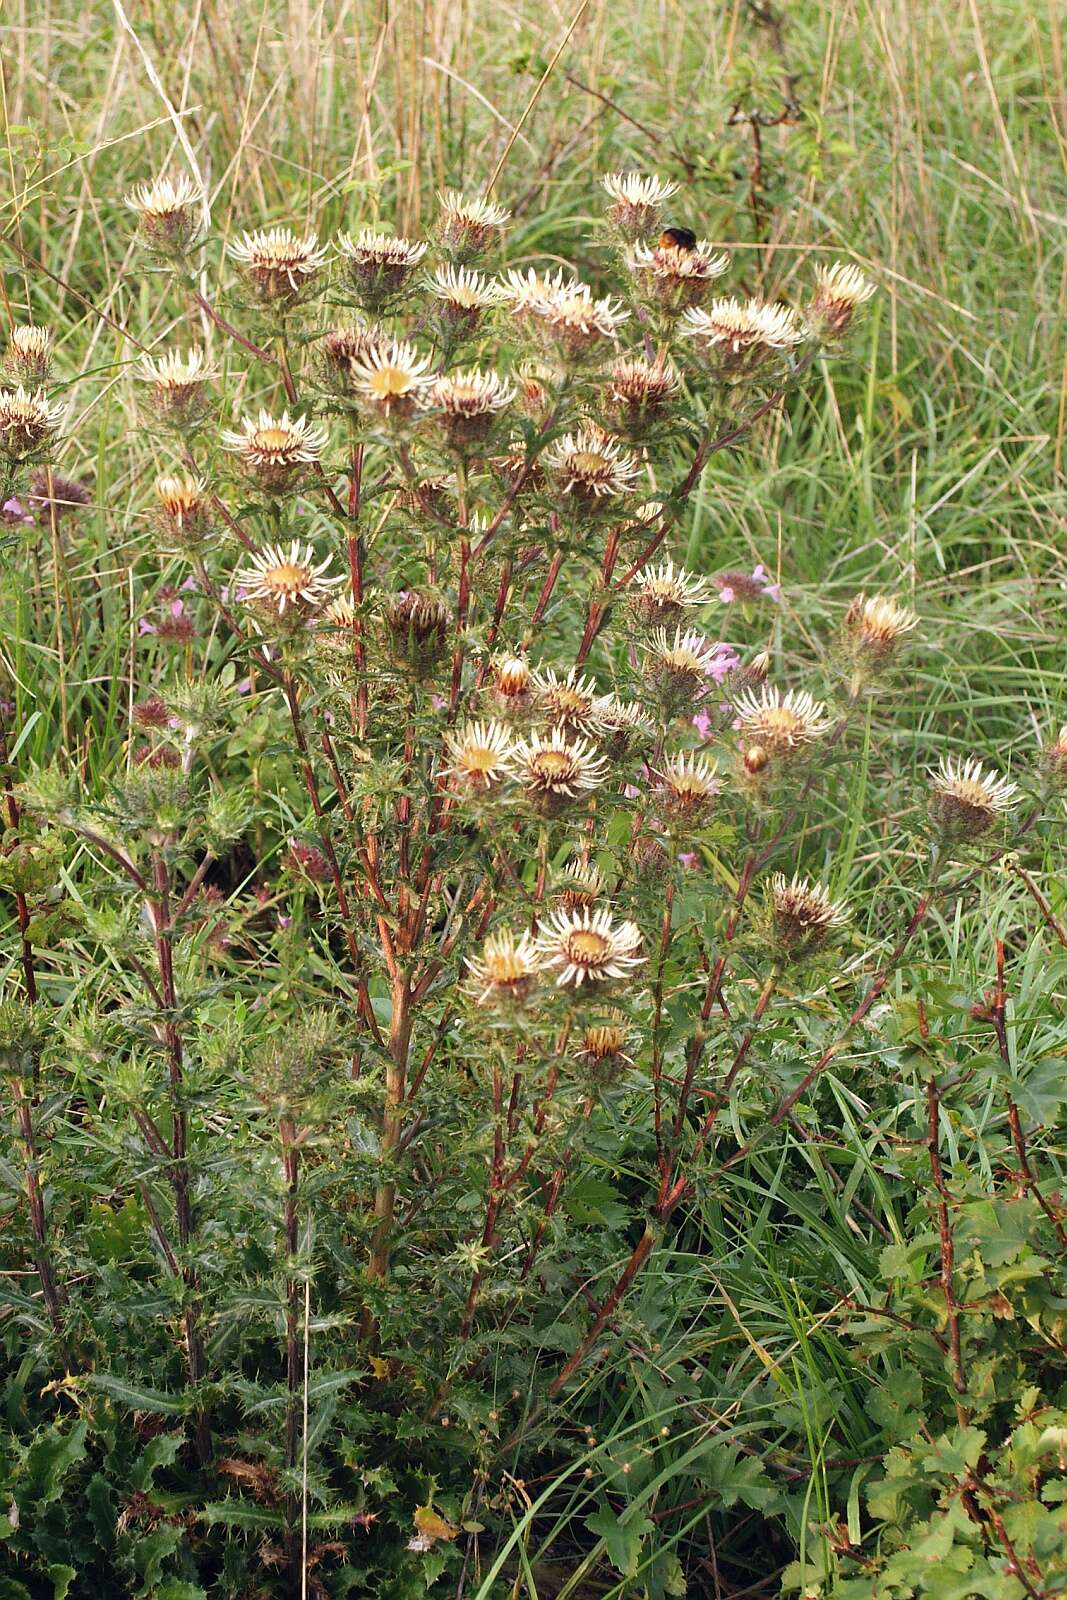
{"x":28,"y":359}
{"x":636,"y":202}
{"x":967,"y":799}
{"x":802,"y":916}
{"x":586,"y":947}
{"x":175,"y":387}
{"x":554,"y":769}
{"x":506,"y":970}
{"x":674,"y":278}
{"x":590,"y":466}
{"x":465,"y":404}
{"x":738,"y":339}
{"x":168,"y":214}
{"x":278,"y":265}
{"x":840,"y":291}
{"x":275,"y":451}
{"x":378,"y":265}
{"x":477,"y":756}
{"x":28,"y":424}
{"x":467,"y":227}
{"x":279,"y":580}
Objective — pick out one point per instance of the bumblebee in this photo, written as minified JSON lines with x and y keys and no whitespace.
{"x":677,"y":239}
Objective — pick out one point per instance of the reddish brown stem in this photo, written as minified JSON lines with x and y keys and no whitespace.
{"x":948,"y":1258}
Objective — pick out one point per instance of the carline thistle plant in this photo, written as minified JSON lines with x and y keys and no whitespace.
{"x":437,"y":543}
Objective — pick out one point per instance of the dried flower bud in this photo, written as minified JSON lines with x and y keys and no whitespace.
{"x":477,"y":756}
{"x":784,"y":725}
{"x":275,"y":451}
{"x":343,"y":350}
{"x":681,"y":670}
{"x":589,"y":467}
{"x":622,"y":723}
{"x":871,"y":632}
{"x":392,"y":380}
{"x":466,"y":228}
{"x":840,"y":291}
{"x":512,"y":683}
{"x":175,"y":388}
{"x":419,"y":625}
{"x":29,"y":355}
{"x":1054,"y":761}
{"x":570,"y":703}
{"x":185,"y":518}
{"x":466,"y":404}
{"x":639,"y":392}
{"x":284,"y":587}
{"x":661,"y":595}
{"x":589,"y":948}
{"x":686,"y":791}
{"x":563,"y":316}
{"x":580,"y":884}
{"x":601,"y":1047}
{"x":966,"y":799}
{"x":555,"y":770}
{"x":673,"y":277}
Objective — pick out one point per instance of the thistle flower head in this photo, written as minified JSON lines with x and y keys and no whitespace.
{"x":686,"y":788}
{"x":682,"y":667}
{"x":28,"y":424}
{"x":392,"y":378}
{"x":275,"y":450}
{"x":967,"y":799}
{"x":674,"y":278}
{"x":184,"y":509}
{"x":738,"y":338}
{"x":333,"y":638}
{"x":638,"y":390}
{"x":569,"y":702}
{"x":344,"y":349}
{"x":662,"y":594}
{"x":570,"y":322}
{"x":587,"y":947}
{"x":601,"y":1046}
{"x":590,"y":466}
{"x":579,"y":884}
{"x":505,"y":971}
{"x":168,"y":214}
{"x":874,"y":627}
{"x":802,"y":916}
{"x":28,"y":359}
{"x":512,"y":682}
{"x":555,"y":768}
{"x":279,"y":580}
{"x":466,"y":403}
{"x":277,"y":264}
{"x":418,"y":624}
{"x":1053,"y":760}
{"x":466,"y":227}
{"x":176,"y":387}
{"x":621,"y":723}
{"x":477,"y":755}
{"x":840,"y":291}
{"x":780,"y":724}
{"x":378,"y":266}
{"x":636,"y":201}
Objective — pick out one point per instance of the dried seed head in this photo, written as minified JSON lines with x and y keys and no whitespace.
{"x":419,"y":625}
{"x":278,"y":266}
{"x":477,"y":756}
{"x":466,"y":228}
{"x":587,"y":947}
{"x":661,"y":595}
{"x":783,"y":724}
{"x":802,"y":915}
{"x":175,"y":387}
{"x":570,"y":702}
{"x":185,"y":518}
{"x":275,"y":451}
{"x":534,"y":386}
{"x":874,"y":627}
{"x":673,"y":278}
{"x":739,"y":339}
{"x":636,"y":202}
{"x":391,"y":380}
{"x":378,"y":266}
{"x":590,"y":466}
{"x":555,"y":768}
{"x":687,"y":786}
{"x":28,"y":425}
{"x":286,"y":585}
{"x":840,"y":291}
{"x":343,"y":349}
{"x":168,"y":215}
{"x":29,"y":354}
{"x":466,"y":403}
{"x":968,"y":799}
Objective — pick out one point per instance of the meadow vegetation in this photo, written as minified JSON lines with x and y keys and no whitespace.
{"x":534,"y":930}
